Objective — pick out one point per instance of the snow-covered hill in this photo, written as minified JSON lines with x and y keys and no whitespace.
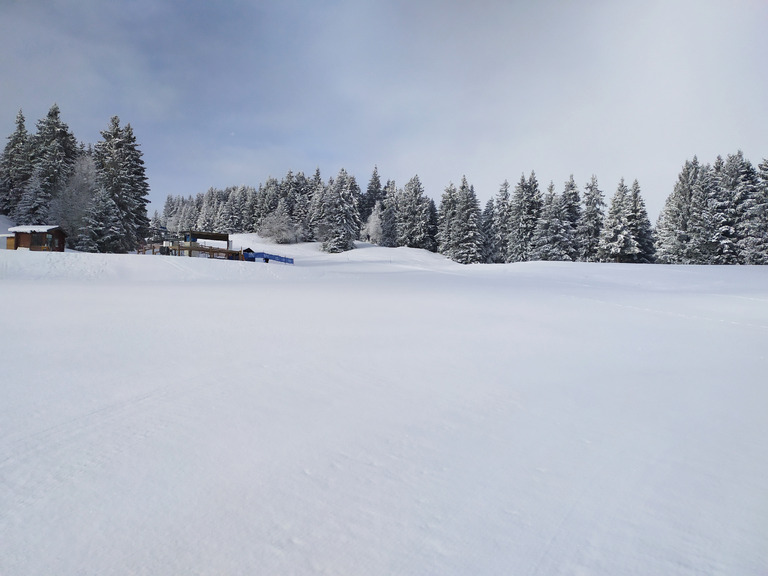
{"x":381,"y":411}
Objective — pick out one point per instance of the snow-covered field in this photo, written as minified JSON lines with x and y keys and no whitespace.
{"x":379,"y":412}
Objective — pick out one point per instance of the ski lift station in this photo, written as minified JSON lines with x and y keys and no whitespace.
{"x":199,"y":244}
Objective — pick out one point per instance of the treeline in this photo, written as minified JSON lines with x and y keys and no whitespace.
{"x":516,"y":225}
{"x":716,"y":214}
{"x":97,"y":194}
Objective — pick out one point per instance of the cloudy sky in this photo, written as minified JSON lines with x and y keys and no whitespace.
{"x":232,"y":92}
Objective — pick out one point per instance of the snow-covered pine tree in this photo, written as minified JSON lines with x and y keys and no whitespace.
{"x":412,"y":215}
{"x":570,"y":203}
{"x":189,"y":215}
{"x":466,"y":236}
{"x":236,"y":201}
{"x":247,"y":219}
{"x":389,"y":216}
{"x":206,"y":219}
{"x":102,"y":229}
{"x":122,"y":175}
{"x":288,"y":191}
{"x":373,"y":193}
{"x":672,"y":227}
{"x":53,"y":150}
{"x":138,"y":185}
{"x":341,"y":214}
{"x":725,"y":211}
{"x":446,"y":215}
{"x":301,"y":206}
{"x":502,"y":220}
{"x":751,"y":229}
{"x":432,"y":223}
{"x":526,"y":207}
{"x":590,"y":225}
{"x":640,"y":226}
{"x":704,"y":222}
{"x":317,"y":222}
{"x":35,"y":201}
{"x":15,"y":166}
{"x":267,"y":197}
{"x":225,"y":217}
{"x":552,"y":239}
{"x":617,"y":244}
{"x":762,"y":171}
{"x":488,"y":232}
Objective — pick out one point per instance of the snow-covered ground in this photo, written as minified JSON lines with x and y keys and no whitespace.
{"x":378,"y":412}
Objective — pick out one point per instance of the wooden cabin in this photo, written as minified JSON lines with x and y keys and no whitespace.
{"x":37,"y":238}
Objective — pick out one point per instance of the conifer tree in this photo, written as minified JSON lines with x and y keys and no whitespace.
{"x":673,"y":239}
{"x":301,"y":206}
{"x":389,"y":216}
{"x":206,"y":219}
{"x":317,"y":223}
{"x":102,"y":230}
{"x":412,"y":215}
{"x":53,"y":150}
{"x":432,"y":224}
{"x":640,"y":226}
{"x":570,"y":203}
{"x":466,"y":236}
{"x":552,"y":238}
{"x":373,"y":193}
{"x":488,"y":231}
{"x":34,"y":203}
{"x":267,"y":197}
{"x":726,"y":217}
{"x":590,"y":225}
{"x":225,"y":217}
{"x":617,"y":243}
{"x":704,"y":222}
{"x":741,"y":178}
{"x":446,"y":215}
{"x":340,"y":214}
{"x":526,"y":207}
{"x":502,"y":221}
{"x":122,"y":175}
{"x":15,"y":166}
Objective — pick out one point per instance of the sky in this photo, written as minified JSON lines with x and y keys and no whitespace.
{"x":228,"y":93}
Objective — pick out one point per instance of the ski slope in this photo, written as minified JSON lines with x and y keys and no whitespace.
{"x":379,"y":412}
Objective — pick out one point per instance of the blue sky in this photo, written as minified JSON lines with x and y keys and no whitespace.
{"x":232,"y":92}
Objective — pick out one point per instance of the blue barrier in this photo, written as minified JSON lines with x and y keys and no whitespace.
{"x":253,"y":256}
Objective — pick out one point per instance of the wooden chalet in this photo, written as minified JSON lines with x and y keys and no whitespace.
{"x":37,"y":238}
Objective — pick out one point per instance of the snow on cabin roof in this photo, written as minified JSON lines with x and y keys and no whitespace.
{"x":34,"y":228}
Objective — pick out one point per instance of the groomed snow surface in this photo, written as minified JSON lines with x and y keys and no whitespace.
{"x":379,"y":412}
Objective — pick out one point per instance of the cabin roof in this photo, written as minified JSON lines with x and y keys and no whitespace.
{"x":40,"y":228}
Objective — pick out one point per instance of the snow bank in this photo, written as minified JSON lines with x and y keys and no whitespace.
{"x":380,"y":412}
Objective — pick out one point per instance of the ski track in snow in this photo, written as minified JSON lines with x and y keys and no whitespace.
{"x":382,"y":411}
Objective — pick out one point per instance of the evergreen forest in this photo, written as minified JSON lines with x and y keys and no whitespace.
{"x":716,"y":214}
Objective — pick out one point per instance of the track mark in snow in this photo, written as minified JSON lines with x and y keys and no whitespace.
{"x":68,"y":430}
{"x":686,"y":316}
